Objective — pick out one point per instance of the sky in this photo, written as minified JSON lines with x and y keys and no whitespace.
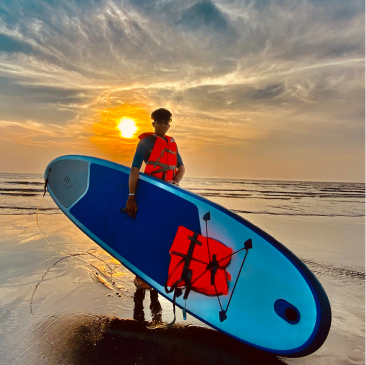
{"x":258,"y":89}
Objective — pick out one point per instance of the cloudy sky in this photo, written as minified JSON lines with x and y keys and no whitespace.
{"x":259,"y":89}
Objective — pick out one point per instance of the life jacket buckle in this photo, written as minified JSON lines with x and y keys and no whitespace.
{"x":213,"y":266}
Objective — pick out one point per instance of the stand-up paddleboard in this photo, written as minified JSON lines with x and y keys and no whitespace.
{"x":274,"y":302}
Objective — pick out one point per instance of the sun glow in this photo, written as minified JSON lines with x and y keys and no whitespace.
{"x":127,"y":126}
{"x":115,"y":139}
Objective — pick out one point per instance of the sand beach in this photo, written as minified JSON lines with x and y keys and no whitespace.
{"x":63,"y":309}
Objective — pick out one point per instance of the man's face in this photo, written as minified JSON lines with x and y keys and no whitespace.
{"x":161,"y":127}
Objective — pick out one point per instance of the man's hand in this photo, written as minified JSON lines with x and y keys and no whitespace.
{"x":179,"y":176}
{"x":131,"y":205}
{"x":173,"y":182}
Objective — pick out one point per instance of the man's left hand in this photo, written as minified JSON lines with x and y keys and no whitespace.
{"x":176,"y":183}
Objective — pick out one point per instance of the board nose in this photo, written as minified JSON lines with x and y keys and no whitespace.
{"x":67,"y":180}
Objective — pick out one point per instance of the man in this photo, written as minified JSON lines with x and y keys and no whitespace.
{"x":160,"y":153}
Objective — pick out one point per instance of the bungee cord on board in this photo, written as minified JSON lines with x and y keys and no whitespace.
{"x":212,"y":266}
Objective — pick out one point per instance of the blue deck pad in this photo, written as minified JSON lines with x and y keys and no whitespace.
{"x":157,"y":218}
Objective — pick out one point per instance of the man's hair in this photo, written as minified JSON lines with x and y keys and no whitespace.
{"x":161,"y":114}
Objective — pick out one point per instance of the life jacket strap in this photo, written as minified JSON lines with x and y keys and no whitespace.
{"x":186,"y":273}
{"x":164,"y":167}
{"x":167,"y":150}
{"x":156,"y":163}
{"x":188,"y":281}
{"x":184,"y":256}
{"x":213,"y":266}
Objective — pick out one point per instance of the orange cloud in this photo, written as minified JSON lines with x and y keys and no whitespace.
{"x":107,"y":136}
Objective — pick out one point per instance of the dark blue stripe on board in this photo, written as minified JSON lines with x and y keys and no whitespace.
{"x":145,"y":241}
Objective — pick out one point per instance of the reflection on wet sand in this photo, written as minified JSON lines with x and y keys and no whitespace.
{"x":155,"y":307}
{"x":88,"y":339}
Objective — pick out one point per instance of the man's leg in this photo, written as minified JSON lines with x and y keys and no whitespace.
{"x":155,"y":307}
{"x":138,"y":310}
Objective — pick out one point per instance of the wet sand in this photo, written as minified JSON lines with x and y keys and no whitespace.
{"x":85,"y":309}
{"x":90,"y":339}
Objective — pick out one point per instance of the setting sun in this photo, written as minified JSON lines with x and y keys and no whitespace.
{"x":127,"y":127}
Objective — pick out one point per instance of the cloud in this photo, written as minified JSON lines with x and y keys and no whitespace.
{"x":204,"y":15}
{"x":33,"y":133}
{"x":10,"y":45}
{"x":260,"y":65}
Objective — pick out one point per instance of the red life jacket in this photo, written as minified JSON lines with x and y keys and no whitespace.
{"x":162,"y":162}
{"x":196,"y":260}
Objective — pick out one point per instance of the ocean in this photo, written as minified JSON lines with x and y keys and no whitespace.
{"x":66,"y":301}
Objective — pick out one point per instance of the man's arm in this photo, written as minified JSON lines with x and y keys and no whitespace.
{"x":131,"y":206}
{"x":142,"y":149}
{"x":179,"y":175}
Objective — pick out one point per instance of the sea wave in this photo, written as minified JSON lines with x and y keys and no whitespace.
{"x":241,"y":196}
{"x":28,"y":208}
{"x":20,"y":194}
{"x":297,"y":214}
{"x":273,"y":194}
{"x":22,"y":190}
{"x":23,"y":182}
